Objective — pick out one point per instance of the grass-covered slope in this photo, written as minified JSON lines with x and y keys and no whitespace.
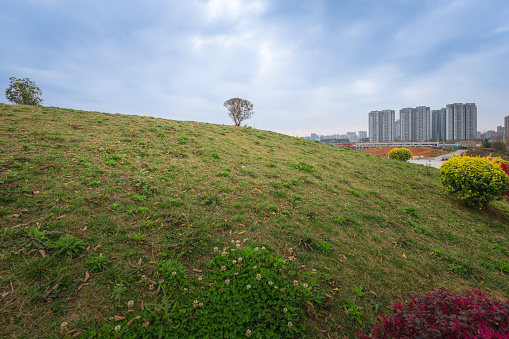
{"x":140,"y":189}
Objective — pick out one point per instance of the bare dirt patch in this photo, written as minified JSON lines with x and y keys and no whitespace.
{"x":416,"y":151}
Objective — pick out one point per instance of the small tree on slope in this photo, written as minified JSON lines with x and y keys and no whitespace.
{"x":23,"y":92}
{"x":239,"y":109}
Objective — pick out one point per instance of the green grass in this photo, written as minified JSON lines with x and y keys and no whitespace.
{"x":116,"y":195}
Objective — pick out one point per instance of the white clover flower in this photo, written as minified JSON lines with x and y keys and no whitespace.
{"x":117,"y":328}
{"x":275,"y":265}
{"x":234,"y":261}
{"x":305,"y":285}
{"x":195,"y":303}
{"x":270,"y":283}
{"x":185,"y":288}
{"x":238,"y":241}
{"x":248,"y":333}
{"x":236,"y":273}
{"x":200,"y":278}
{"x":290,"y":324}
{"x":314,"y":271}
{"x":285,"y":310}
{"x":223,"y":254}
{"x":130,"y":303}
{"x":295,"y":283}
{"x":255,"y":267}
{"x":258,"y":276}
{"x":161,"y":281}
{"x":223,"y":268}
{"x":174,"y":273}
{"x":201,"y":304}
{"x":248,"y":287}
{"x":233,"y":241}
{"x":240,"y":259}
{"x":263,"y":248}
{"x":233,"y":250}
{"x":137,"y":317}
{"x":227,"y":282}
{"x":110,"y":318}
{"x":237,"y":245}
{"x":256,"y":248}
{"x":216,"y":249}
{"x":64,"y":324}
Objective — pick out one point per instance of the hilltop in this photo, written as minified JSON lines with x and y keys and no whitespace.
{"x":140,"y":189}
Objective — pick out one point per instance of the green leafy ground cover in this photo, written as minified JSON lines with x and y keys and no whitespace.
{"x":96,"y":209}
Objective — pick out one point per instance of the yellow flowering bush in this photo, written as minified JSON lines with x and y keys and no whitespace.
{"x":504,"y":165}
{"x":475,"y":181}
{"x":402,"y":154}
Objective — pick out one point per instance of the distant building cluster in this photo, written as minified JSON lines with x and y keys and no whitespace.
{"x":454,"y":122}
{"x":500,"y":134}
{"x":349,"y":136}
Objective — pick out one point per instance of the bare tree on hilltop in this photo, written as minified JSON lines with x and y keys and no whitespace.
{"x":239,"y":109}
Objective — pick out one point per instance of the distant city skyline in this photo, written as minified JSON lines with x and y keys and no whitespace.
{"x":456,"y":121}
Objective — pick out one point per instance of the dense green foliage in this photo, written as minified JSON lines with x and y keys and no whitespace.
{"x":256,"y":293}
{"x":474,"y":181}
{"x":23,"y":92}
{"x":402,"y":154}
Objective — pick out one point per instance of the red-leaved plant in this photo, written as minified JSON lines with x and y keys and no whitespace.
{"x":442,"y":314}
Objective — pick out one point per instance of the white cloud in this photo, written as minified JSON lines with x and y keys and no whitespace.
{"x":231,"y":9}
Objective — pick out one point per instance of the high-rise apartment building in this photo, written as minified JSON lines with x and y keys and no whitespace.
{"x":461,"y":121}
{"x":421,"y":123}
{"x":374,"y":130}
{"x":415,"y":123}
{"x":381,"y":125}
{"x":506,"y":128}
{"x":500,"y":133}
{"x":438,"y":123}
{"x":362,"y":135}
{"x":397,"y":130}
{"x":405,"y":123}
{"x":470,"y":121}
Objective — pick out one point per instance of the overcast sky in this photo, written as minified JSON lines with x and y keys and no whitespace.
{"x":307,"y":66}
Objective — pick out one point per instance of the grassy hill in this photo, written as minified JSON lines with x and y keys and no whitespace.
{"x":137,"y":190}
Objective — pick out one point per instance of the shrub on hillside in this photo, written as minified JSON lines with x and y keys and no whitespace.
{"x":504,"y":165}
{"x":475,"y":181}
{"x":402,"y":154}
{"x":442,"y":314}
